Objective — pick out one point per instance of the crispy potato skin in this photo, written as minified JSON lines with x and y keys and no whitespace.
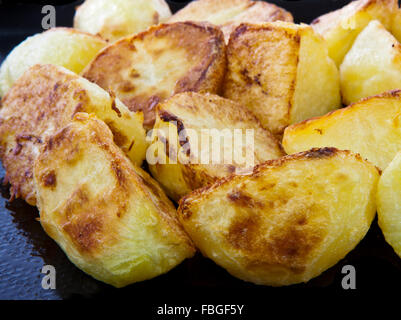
{"x":229,"y":14}
{"x":372,"y":65}
{"x":341,"y":27}
{"x":370,"y":127}
{"x":194,"y":111}
{"x":110,"y":217}
{"x":64,"y":47}
{"x":44,"y":100}
{"x":388,"y":203}
{"x":272,"y":70}
{"x":288,"y":221}
{"x":147,"y":68}
{"x":116,"y":19}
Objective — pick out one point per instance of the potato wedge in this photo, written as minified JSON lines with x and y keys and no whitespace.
{"x":43,"y":101}
{"x":149,"y":67}
{"x":184,"y":162}
{"x":110,"y":217}
{"x":229,"y":14}
{"x":283,"y":224}
{"x":341,"y":27}
{"x":64,"y":47}
{"x":272,"y":70}
{"x":388,"y":203}
{"x":116,"y":19}
{"x":372,"y":66}
{"x":371,"y":127}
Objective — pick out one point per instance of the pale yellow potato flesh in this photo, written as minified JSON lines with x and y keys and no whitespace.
{"x":229,"y":14}
{"x":371,"y":127}
{"x":273,"y":70}
{"x":205,"y":117}
{"x":44,"y":100}
{"x":372,"y":66}
{"x":109,"y":216}
{"x":64,"y":47}
{"x":341,"y":27}
{"x":113,"y":20}
{"x":288,"y":221}
{"x":389,"y":203}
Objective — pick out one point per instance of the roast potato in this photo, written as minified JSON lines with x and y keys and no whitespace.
{"x":341,"y":27}
{"x":43,"y":101}
{"x":371,"y":127}
{"x":116,"y":19}
{"x":288,"y":221}
{"x":228,"y":14}
{"x":184,"y":161}
{"x":372,"y":66}
{"x":389,"y":203}
{"x":64,"y":47}
{"x":273,"y":70}
{"x":110,"y":217}
{"x":149,"y":67}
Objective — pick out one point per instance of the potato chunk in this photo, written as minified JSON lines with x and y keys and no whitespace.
{"x":341,"y":27}
{"x":110,"y":217}
{"x":284,"y":223}
{"x":389,"y":203}
{"x":229,"y":14}
{"x":372,"y":66}
{"x":64,"y":47}
{"x":272,"y":70}
{"x":371,"y":127}
{"x":202,"y":137}
{"x":43,"y":101}
{"x":116,"y":19}
{"x":149,"y":67}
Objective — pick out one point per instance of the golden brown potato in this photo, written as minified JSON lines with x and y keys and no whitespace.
{"x":110,"y":217}
{"x":372,"y":66}
{"x":284,"y":223}
{"x":272,"y":70}
{"x":396,"y":26}
{"x":44,"y":100}
{"x":229,"y":14}
{"x":389,"y":203}
{"x":371,"y":127}
{"x":149,"y":67}
{"x":341,"y":27}
{"x":64,"y":47}
{"x":115,"y":19}
{"x":182,"y":161}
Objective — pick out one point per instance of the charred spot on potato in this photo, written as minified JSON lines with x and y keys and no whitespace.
{"x":49,"y":179}
{"x":321,"y":153}
{"x":131,"y":145}
{"x":239,"y":30}
{"x":244,"y":200}
{"x":114,"y":107}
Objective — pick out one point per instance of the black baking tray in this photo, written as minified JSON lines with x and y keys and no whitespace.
{"x":25,"y":248}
